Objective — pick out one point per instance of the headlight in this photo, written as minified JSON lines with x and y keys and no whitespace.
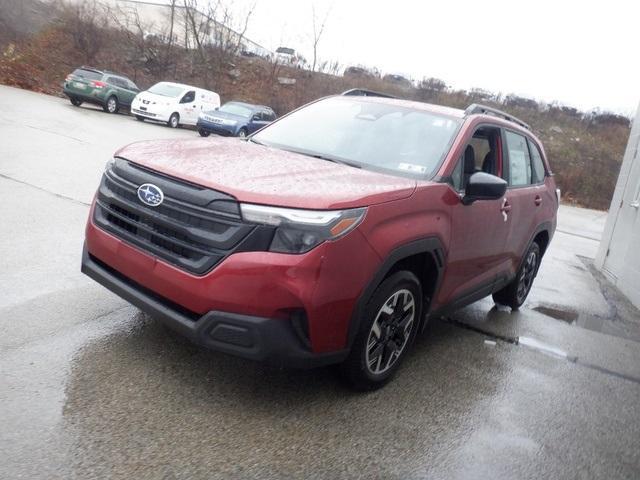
{"x":301,"y":230}
{"x":109,"y":165}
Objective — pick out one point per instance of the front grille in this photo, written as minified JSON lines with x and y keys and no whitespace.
{"x":194,"y":228}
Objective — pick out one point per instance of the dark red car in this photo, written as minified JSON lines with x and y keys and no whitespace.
{"x":330,"y":236}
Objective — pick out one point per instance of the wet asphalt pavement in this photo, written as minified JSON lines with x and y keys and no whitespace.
{"x":92,"y":388}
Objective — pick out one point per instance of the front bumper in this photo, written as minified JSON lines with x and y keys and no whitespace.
{"x":270,"y":340}
{"x":217,"y":128}
{"x":152,"y":112}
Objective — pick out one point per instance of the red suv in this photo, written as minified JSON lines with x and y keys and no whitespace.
{"x":331,"y":235}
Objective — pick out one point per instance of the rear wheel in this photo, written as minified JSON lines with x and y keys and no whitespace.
{"x":112,"y":105}
{"x":203,"y":133}
{"x":387,"y":330}
{"x":174,"y":120}
{"x":515,"y":293}
{"x":140,"y":118}
{"x":75,"y":102}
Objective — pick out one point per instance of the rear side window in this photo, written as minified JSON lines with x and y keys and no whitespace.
{"x":536,"y":163}
{"x":88,"y":74}
{"x":519,"y":160}
{"x":114,"y":81}
{"x":270,"y":116}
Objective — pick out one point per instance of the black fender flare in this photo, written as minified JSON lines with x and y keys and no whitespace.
{"x":431,"y":245}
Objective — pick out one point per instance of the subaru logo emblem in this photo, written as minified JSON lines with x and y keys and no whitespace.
{"x":150,"y":195}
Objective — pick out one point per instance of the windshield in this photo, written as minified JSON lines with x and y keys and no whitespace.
{"x":166,"y":90}
{"x":370,"y":135}
{"x":236,"y":109}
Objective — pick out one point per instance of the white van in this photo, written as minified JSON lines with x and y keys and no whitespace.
{"x":173,"y":103}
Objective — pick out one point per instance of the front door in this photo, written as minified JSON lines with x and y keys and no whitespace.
{"x":479,"y":231}
{"x":189,"y":108}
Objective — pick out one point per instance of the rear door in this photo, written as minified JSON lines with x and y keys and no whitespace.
{"x":526,"y":194}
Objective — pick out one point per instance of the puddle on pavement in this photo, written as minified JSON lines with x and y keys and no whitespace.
{"x":568,"y":316}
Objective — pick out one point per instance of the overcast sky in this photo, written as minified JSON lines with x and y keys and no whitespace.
{"x":585,"y":54}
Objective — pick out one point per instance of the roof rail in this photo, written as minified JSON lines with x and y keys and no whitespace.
{"x":93,"y":69}
{"x":362,"y":92}
{"x":477,"y":108}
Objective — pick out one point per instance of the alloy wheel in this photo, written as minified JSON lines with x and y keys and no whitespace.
{"x":390,"y":331}
{"x":526,"y":276}
{"x":111,"y":105}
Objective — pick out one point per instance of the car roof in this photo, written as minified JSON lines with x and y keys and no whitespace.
{"x":253,"y":106}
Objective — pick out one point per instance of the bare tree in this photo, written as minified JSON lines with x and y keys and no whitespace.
{"x":217,"y":36}
{"x":318,"y":29}
{"x":86,"y":23}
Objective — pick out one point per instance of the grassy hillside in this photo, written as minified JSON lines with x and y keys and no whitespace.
{"x":585,"y":150}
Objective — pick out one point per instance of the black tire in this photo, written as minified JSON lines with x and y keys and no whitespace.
{"x":111,"y":105}
{"x":203,"y":133}
{"x":174,"y":120}
{"x":515,"y":293}
{"x":242,"y":133}
{"x":391,"y":339}
{"x":140,"y":118}
{"x":75,"y":102}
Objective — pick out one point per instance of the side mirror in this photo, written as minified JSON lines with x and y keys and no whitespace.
{"x":484,"y":186}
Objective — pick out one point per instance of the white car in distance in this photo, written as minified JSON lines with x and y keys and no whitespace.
{"x":173,"y":103}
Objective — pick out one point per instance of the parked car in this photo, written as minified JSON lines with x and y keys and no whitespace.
{"x":236,"y":119}
{"x":330,"y":236}
{"x":99,"y":87}
{"x":398,"y":79}
{"x":289,"y":57}
{"x":173,"y":103}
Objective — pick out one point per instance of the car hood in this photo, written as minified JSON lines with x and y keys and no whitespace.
{"x":257,"y":174}
{"x":226,"y":116}
{"x":153,"y":98}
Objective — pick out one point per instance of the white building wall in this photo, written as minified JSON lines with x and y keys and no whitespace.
{"x":619,"y":253}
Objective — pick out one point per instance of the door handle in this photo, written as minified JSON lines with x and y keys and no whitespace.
{"x":506,"y":206}
{"x":538,"y":200}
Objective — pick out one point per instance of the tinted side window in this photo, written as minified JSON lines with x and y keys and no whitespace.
{"x":519,"y":160}
{"x":188,"y":97}
{"x":112,"y":81}
{"x":536,"y":163}
{"x":270,"y":116}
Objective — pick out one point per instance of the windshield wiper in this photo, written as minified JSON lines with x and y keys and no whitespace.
{"x":332,"y":159}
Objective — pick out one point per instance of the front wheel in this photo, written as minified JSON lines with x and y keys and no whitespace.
{"x":387,"y":329}
{"x":112,"y":105}
{"x":242,"y":133}
{"x":140,"y":118}
{"x":515,"y":293}
{"x":174,"y":120}
{"x":75,"y":102}
{"x":203,"y":132}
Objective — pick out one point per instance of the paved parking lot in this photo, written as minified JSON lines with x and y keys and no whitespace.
{"x":92,"y":388}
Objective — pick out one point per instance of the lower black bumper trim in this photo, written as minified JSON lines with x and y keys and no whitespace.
{"x":269,"y":340}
